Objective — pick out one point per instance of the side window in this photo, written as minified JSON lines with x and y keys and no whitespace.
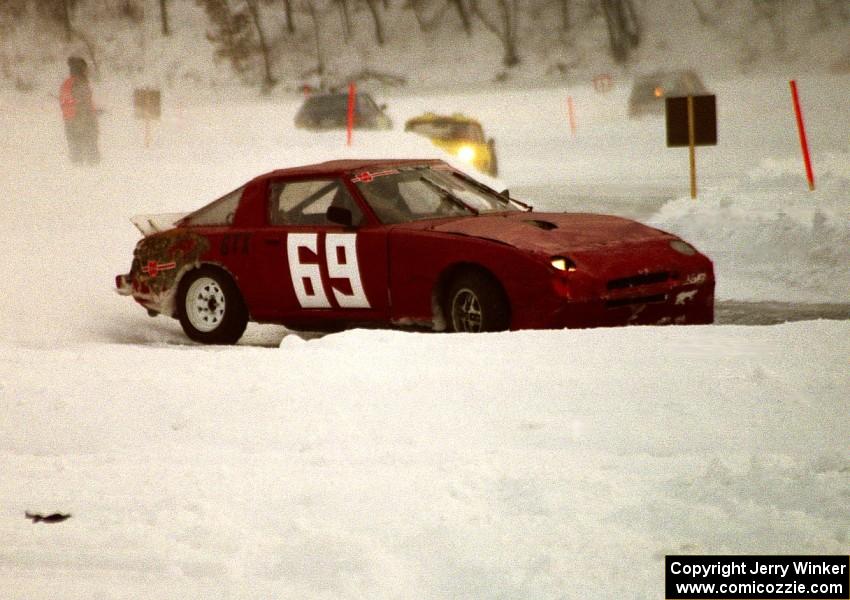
{"x":219,"y":212}
{"x":307,"y":202}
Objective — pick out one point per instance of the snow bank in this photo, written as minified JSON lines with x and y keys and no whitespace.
{"x":531,"y":464}
{"x":770,"y":239}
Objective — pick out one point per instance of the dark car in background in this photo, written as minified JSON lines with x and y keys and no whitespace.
{"x":650,"y":90}
{"x":330,"y":111}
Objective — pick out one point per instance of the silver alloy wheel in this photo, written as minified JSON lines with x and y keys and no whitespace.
{"x":205,"y":304}
{"x":466,"y":311}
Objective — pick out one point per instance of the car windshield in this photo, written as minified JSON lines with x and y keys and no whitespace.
{"x":337,"y":104}
{"x":447,"y":129}
{"x":415,"y":193}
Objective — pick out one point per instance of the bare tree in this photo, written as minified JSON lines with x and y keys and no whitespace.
{"x":58,"y":11}
{"x":163,"y":16}
{"x":702,"y":14}
{"x":503,"y":25}
{"x":623,"y":29}
{"x":773,"y":13}
{"x":290,"y":24}
{"x":345,"y":17}
{"x":238,"y":34}
{"x":565,"y":14}
{"x":426,"y":24}
{"x":376,"y":17}
{"x":268,"y":81}
{"x":66,"y":18}
{"x":829,"y":10}
{"x":463,"y":13}
{"x":317,"y":36}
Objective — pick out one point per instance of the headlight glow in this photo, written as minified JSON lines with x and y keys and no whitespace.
{"x":563,"y":264}
{"x":466,"y":153}
{"x":683,"y":247}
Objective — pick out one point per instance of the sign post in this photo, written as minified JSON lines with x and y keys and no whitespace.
{"x":692,"y":155}
{"x":691,"y":122}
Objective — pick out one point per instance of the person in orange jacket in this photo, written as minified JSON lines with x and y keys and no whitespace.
{"x":79,"y":114}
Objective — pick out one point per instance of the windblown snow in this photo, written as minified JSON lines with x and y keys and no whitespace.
{"x":388,"y":464}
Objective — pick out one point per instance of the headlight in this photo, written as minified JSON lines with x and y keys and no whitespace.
{"x":466,"y":153}
{"x":563,"y":264}
{"x":683,"y":247}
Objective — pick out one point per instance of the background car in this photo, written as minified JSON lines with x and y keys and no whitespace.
{"x":330,"y":111}
{"x":411,"y":243}
{"x":459,"y":135}
{"x":649,"y":91}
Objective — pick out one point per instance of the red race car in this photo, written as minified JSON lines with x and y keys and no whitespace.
{"x":410,"y":243}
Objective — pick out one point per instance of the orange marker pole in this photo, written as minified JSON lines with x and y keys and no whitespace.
{"x":352,"y":95}
{"x":572,"y":114}
{"x":801,"y":128}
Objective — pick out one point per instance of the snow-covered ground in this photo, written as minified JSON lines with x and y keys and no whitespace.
{"x":381,"y":464}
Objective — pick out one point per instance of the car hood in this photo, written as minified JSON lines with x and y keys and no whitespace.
{"x":553,"y":233}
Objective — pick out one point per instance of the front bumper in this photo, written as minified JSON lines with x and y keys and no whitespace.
{"x":640,"y":300}
{"x":686,"y":305}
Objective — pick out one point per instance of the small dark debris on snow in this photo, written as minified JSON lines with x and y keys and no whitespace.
{"x":54,"y":518}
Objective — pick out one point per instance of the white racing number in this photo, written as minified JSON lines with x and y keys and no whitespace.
{"x":341,"y":253}
{"x":341,"y":257}
{"x":306,"y":277}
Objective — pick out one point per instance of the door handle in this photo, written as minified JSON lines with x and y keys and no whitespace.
{"x":272,"y":241}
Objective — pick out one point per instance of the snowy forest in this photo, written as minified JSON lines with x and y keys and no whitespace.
{"x":273,"y":43}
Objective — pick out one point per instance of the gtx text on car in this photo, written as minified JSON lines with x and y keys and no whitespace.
{"x":406,"y":243}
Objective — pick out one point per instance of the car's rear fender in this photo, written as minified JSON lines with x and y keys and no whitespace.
{"x":164,"y":301}
{"x":186,"y":269}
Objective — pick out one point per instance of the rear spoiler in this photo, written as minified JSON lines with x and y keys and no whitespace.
{"x":150,"y":224}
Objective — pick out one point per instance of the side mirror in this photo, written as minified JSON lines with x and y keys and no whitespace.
{"x":339,"y":215}
{"x":506,"y":193}
{"x":383,"y":107}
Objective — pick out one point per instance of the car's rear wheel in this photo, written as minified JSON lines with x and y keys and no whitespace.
{"x":210,"y":308}
{"x":475,"y":302}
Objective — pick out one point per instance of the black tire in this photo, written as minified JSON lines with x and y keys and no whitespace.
{"x":210,"y":307}
{"x":475,"y":302}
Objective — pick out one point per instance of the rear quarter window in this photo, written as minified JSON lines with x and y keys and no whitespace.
{"x":218,"y":212}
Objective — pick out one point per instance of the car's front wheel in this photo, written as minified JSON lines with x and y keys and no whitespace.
{"x":476,"y":302}
{"x":210,"y":308}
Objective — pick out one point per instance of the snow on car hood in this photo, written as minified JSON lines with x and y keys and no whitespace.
{"x":554,"y":232}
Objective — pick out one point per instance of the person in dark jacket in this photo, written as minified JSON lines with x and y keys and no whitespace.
{"x":79,"y":114}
